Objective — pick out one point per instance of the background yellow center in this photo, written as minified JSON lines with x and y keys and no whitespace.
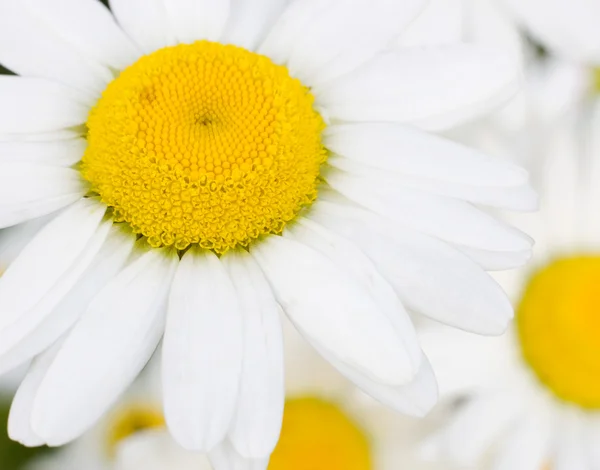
{"x":317,"y":435}
{"x":204,"y":144}
{"x":130,"y":420}
{"x":559,"y":328}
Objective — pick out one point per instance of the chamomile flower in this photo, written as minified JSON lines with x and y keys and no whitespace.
{"x":188,"y":167}
{"x":534,"y":394}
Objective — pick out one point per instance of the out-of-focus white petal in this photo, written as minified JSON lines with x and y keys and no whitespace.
{"x":570,"y":451}
{"x":528,"y":445}
{"x":225,"y":457}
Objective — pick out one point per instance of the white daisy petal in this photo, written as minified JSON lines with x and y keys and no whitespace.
{"x":497,"y":260}
{"x":38,"y":41}
{"x":449,"y":219}
{"x":321,"y":40}
{"x":435,"y":88}
{"x":333,"y":310}
{"x":528,"y":445}
{"x":202,"y":352}
{"x":251,"y":20}
{"x":517,"y":198}
{"x":193,"y":20}
{"x":429,"y":276}
{"x":106,"y":349}
{"x":105,"y":266}
{"x":424,"y":161}
{"x":29,"y":190}
{"x":58,"y":152}
{"x":349,"y":258}
{"x":89,"y":27}
{"x":41,"y":269}
{"x":416,"y":398}
{"x":28,"y":321}
{"x":32,"y":105}
{"x":225,"y":457}
{"x":19,"y":420}
{"x":62,"y":134}
{"x":14,"y":239}
{"x":145,"y":21}
{"x":257,"y":423}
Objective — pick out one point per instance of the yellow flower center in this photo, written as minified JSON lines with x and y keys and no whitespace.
{"x":559,"y":328}
{"x":317,"y":435}
{"x":130,"y":420}
{"x":205,"y":144}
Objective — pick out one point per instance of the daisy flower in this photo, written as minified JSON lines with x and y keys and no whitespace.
{"x":189,"y":167}
{"x":534,"y":394}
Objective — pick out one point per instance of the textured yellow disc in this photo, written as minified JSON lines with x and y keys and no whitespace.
{"x":205,"y":144}
{"x":317,"y":435}
{"x":130,"y":420}
{"x":559,"y":328}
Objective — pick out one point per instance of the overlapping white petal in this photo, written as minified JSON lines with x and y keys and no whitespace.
{"x":19,"y":421}
{"x":333,"y":310}
{"x":257,"y":422}
{"x":31,"y":105}
{"x":40,"y":276}
{"x":28,"y":191}
{"x":56,"y":152}
{"x":350,"y":259}
{"x":435,"y":88}
{"x":106,"y":350}
{"x":320,"y":40}
{"x":429,"y":276}
{"x":44,"y":331}
{"x":422,"y":161}
{"x":46,"y":39}
{"x":449,"y":219}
